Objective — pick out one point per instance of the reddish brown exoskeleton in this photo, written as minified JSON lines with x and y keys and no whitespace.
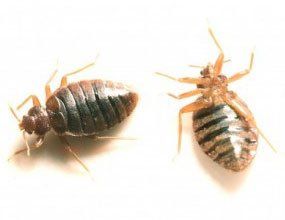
{"x":79,"y":109}
{"x":224,"y":126}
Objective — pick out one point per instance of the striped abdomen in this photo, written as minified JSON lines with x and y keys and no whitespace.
{"x":87,"y":107}
{"x":225,"y":137}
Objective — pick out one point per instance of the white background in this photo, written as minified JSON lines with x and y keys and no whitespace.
{"x":137,"y":179}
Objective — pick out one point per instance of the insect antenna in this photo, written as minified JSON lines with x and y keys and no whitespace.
{"x":14,"y":113}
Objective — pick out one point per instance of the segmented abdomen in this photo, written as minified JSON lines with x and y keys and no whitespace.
{"x":87,"y":107}
{"x":225,"y":137}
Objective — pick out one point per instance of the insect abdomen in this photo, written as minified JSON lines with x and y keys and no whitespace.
{"x":225,"y":137}
{"x":87,"y":107}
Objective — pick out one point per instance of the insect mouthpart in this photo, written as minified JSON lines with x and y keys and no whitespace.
{"x":207,"y":71}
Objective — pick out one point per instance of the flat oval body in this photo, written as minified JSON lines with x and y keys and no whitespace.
{"x":87,"y":107}
{"x":225,"y":136}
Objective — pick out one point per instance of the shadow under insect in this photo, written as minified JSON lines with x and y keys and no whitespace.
{"x":53,"y":150}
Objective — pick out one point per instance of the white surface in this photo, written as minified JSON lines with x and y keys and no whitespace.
{"x":137,"y":180}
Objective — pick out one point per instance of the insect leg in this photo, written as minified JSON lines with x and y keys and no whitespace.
{"x":64,"y":78}
{"x":14,"y":113}
{"x":182,"y":80}
{"x":187,"y":94}
{"x":186,"y":109}
{"x":196,"y":66}
{"x":227,"y":60}
{"x":75,"y":156}
{"x":219,"y":64}
{"x":241,"y":74}
{"x":36,"y":101}
{"x":215,"y":39}
{"x":240,"y":108}
{"x":111,"y":138}
{"x":220,"y":60}
{"x":47,"y":86}
{"x":28,"y":148}
{"x":24,"y":149}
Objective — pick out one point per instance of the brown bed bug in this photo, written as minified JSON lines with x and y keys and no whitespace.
{"x":223,"y":125}
{"x":83,"y":108}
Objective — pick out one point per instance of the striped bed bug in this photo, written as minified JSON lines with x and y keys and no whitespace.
{"x":81,"y":109}
{"x":224,"y":126}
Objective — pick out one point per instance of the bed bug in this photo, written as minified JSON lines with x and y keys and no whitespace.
{"x":81,"y":109}
{"x":224,"y":126}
